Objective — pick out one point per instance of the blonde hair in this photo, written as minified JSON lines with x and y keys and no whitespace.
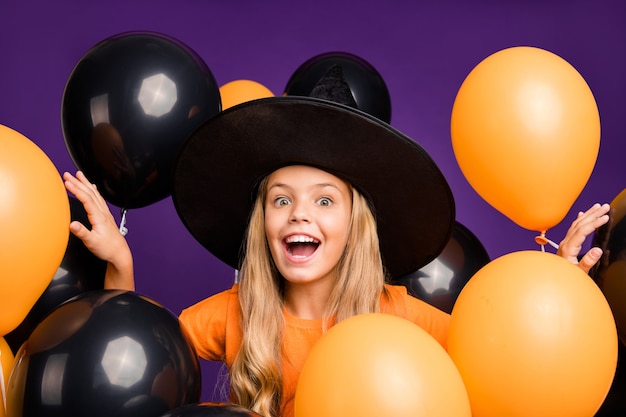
{"x":255,"y":376}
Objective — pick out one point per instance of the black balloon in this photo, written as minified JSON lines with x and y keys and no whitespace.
{"x":104,"y":353}
{"x":366,"y":84}
{"x":211,"y":409}
{"x":440,"y":282}
{"x":610,"y":271}
{"x":128,"y":105}
{"x":80,"y":271}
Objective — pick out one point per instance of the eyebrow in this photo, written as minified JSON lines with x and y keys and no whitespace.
{"x":283,"y":185}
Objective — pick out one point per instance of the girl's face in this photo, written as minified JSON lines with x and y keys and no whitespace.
{"x":307,"y":221}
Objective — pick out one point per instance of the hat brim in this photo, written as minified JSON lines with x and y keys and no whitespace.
{"x":219,"y":166}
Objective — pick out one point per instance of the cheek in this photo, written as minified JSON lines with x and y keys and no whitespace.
{"x":339,"y":228}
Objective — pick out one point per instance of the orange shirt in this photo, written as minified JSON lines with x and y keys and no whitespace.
{"x":213,"y":327}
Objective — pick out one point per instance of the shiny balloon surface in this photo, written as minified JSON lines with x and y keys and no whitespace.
{"x":104,"y":353}
{"x":366,"y":84}
{"x":440,"y":282}
{"x":128,"y":105}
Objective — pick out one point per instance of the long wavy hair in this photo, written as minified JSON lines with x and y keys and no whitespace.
{"x":255,"y":376}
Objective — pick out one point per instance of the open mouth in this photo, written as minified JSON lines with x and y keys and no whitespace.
{"x":301,"y":246}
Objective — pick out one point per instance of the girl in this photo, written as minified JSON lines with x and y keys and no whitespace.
{"x":317,"y":205}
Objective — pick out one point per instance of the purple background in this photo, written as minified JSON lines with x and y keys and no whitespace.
{"x":423,"y":50}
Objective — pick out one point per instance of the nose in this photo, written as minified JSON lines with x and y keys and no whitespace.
{"x":299,"y":214}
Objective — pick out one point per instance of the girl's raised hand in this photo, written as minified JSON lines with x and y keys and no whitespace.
{"x":585,"y":224}
{"x":103,"y":238}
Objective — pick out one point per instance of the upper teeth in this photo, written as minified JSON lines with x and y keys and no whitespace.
{"x":300,"y":239}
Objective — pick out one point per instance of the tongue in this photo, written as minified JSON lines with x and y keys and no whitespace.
{"x":302,"y":249}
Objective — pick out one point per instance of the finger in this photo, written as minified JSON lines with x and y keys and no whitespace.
{"x":586,"y":228}
{"x":79,"y":230}
{"x":584,"y":225}
{"x":76,"y":186}
{"x":590,"y":259}
{"x":85,"y":192}
{"x":98,"y":213}
{"x":70,"y":180}
{"x":83,"y":179}
{"x":90,"y":187}
{"x":595,"y":211}
{"x":588,"y":221}
{"x":592,"y":222}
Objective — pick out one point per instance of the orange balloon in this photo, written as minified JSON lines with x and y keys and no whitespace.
{"x":34,"y":225}
{"x":525,"y":131}
{"x":240,"y":91}
{"x":533,"y":335}
{"x":375,"y":365}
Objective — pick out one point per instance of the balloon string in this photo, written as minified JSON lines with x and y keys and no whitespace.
{"x":123,"y":229}
{"x":543,"y":240}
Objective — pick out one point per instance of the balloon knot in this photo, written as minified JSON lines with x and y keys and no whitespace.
{"x":543,"y":241}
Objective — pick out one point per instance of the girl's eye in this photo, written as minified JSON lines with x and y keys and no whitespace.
{"x":324,"y":201}
{"x":281,"y":201}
